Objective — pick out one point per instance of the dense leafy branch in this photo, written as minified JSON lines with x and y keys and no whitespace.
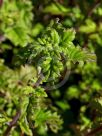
{"x":37,"y":57}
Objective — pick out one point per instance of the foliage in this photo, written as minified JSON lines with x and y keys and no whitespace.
{"x":50,"y":77}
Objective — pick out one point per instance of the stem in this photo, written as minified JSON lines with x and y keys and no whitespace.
{"x":22,"y":134}
{"x":2,"y":94}
{"x":94,"y":131}
{"x":38,"y":81}
{"x":1,"y":2}
{"x":12,"y":123}
{"x":2,"y":38}
{"x":98,"y":2}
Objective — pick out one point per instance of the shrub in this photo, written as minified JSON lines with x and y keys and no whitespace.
{"x":50,"y":81}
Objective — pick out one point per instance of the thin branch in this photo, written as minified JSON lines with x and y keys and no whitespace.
{"x":39,"y":80}
{"x":12,"y":123}
{"x":75,"y":129}
{"x":2,"y":38}
{"x":98,"y":2}
{"x":2,"y":94}
{"x":35,"y":85}
{"x":93,"y":132}
{"x":88,"y":14}
{"x":1,"y":2}
{"x":22,"y":134}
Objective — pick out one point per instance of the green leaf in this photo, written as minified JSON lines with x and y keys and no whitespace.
{"x":3,"y":119}
{"x":28,"y":90}
{"x":68,"y":36}
{"x":17,"y":35}
{"x":63,"y":105}
{"x":89,"y":27}
{"x":55,"y":36}
{"x":56,"y":8}
{"x":40,"y":92}
{"x":23,"y":106}
{"x":37,"y":29}
{"x":24,"y":125}
{"x":97,"y":104}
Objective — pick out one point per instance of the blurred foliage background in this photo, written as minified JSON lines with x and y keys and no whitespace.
{"x":79,"y":100}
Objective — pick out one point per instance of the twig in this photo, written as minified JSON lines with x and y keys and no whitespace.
{"x":22,"y":134}
{"x":88,"y":14}
{"x":94,"y":131}
{"x":1,"y":2}
{"x":98,"y":2}
{"x":2,"y":94}
{"x":2,"y":38}
{"x":12,"y":123}
{"x":75,"y":129}
{"x":35,"y":85}
{"x":57,"y":5}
